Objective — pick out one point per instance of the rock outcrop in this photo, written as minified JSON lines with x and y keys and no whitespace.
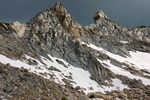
{"x":99,"y":14}
{"x":19,"y":28}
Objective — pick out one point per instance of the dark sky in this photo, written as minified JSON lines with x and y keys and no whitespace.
{"x":129,"y":13}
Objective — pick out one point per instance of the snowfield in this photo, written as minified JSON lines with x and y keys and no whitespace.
{"x":139,"y":60}
{"x":79,"y":77}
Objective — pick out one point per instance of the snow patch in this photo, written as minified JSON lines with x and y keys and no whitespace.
{"x":140,"y":60}
{"x":124,"y":42}
{"x":79,"y":76}
{"x":123,"y":72}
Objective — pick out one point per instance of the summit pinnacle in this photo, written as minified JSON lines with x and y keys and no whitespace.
{"x":99,"y":14}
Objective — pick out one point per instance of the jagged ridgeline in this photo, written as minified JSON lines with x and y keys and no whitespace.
{"x":53,"y":48}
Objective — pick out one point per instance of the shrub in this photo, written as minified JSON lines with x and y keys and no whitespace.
{"x":64,"y":98}
{"x":92,"y":96}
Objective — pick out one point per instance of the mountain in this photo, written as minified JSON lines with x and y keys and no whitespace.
{"x":52,"y":57}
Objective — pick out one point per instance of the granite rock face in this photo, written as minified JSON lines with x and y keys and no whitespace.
{"x":55,"y":32}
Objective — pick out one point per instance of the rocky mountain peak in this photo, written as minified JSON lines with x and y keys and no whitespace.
{"x":58,"y":15}
{"x":58,"y":7}
{"x":67,"y":21}
{"x":103,"y":56}
{"x":99,"y":14}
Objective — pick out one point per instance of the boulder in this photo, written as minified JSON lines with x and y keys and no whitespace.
{"x":54,"y":69}
{"x":99,"y":95}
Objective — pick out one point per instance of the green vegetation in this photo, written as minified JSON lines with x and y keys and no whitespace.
{"x":64,"y":98}
{"x":92,"y":96}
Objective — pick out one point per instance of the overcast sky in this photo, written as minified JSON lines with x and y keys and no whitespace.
{"x":128,"y":13}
